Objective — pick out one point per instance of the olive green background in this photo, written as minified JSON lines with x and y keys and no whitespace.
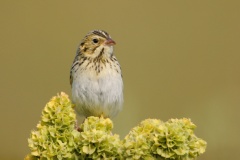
{"x":179,"y":59}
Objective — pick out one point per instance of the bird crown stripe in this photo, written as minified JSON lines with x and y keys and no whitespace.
{"x":101,"y":33}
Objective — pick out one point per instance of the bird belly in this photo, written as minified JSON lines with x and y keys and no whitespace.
{"x":98,"y":95}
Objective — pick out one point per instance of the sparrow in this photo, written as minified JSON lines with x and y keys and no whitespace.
{"x":96,"y":78}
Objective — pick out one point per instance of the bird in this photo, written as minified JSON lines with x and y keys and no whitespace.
{"x":96,"y":77}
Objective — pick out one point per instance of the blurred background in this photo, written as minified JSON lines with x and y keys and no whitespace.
{"x":179,"y":59}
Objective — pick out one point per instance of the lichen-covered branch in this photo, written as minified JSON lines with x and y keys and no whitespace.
{"x":57,"y":138}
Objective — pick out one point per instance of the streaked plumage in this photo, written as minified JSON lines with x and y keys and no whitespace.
{"x":95,"y":77}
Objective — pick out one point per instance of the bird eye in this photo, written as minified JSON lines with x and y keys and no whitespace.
{"x":95,"y":40}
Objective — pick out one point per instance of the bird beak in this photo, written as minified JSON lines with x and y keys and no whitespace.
{"x":110,"y":42}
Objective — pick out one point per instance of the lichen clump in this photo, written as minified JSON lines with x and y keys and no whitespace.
{"x":58,"y":138}
{"x":55,"y":135}
{"x":154,"y":139}
{"x":96,"y":140}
